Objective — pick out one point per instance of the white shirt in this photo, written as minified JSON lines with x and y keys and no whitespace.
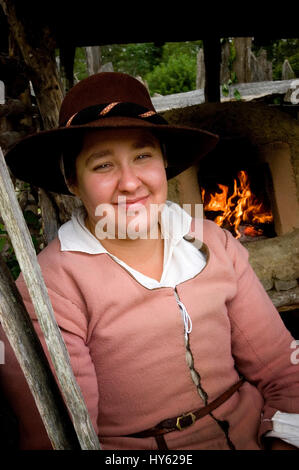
{"x":182,"y":261}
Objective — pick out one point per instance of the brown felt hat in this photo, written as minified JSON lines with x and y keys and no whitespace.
{"x":104,"y":100}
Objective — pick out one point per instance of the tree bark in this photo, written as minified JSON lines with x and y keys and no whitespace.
{"x":14,"y":107}
{"x":93,"y":59}
{"x":241,"y":65}
{"x":40,"y":62}
{"x":49,"y":217}
{"x":41,"y":65}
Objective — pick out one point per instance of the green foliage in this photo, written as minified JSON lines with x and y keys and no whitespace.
{"x":233,"y":76}
{"x":134,"y":59}
{"x":171,"y":67}
{"x":80,"y":66}
{"x":277,"y":51}
{"x":294,"y":61}
{"x":189,"y":48}
{"x":177,"y":75}
{"x":7,"y":253}
{"x":147,"y":60}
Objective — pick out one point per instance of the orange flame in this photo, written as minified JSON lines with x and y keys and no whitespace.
{"x":241,"y":206}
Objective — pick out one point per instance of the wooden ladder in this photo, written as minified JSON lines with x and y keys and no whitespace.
{"x":65,"y":417}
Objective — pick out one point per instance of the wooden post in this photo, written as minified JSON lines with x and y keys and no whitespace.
{"x":93,"y":59}
{"x":241,"y":65}
{"x":24,"y":341}
{"x":67,"y":57}
{"x":212,"y":58}
{"x":25,"y":253}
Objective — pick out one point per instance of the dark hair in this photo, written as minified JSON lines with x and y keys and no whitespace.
{"x":70,"y":152}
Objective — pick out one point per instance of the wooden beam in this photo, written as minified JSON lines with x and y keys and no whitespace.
{"x":21,"y":240}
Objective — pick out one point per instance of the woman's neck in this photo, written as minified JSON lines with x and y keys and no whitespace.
{"x":145,"y":255}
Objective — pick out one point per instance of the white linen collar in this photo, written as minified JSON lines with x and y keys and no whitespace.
{"x":74,"y":236}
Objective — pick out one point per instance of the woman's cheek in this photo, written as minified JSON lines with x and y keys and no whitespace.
{"x":158,"y":181}
{"x":96,"y":191}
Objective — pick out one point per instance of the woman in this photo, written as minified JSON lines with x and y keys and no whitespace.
{"x":172,"y":338}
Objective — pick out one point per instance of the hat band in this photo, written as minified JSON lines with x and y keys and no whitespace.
{"x":115,"y":109}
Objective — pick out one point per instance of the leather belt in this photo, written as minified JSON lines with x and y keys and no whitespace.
{"x":179,"y":423}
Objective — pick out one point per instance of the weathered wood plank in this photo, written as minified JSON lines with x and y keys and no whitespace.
{"x":25,"y":253}
{"x":19,"y":330}
{"x":49,"y":217}
{"x":93,"y":59}
{"x":283,"y":298}
{"x":2,"y":92}
{"x":248,"y":92}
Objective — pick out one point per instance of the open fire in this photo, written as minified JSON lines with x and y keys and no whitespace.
{"x":241,"y":212}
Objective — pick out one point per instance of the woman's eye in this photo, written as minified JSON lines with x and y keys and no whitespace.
{"x":143,"y":156}
{"x":103,"y":166}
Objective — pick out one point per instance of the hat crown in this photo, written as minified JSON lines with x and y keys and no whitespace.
{"x":102,"y":88}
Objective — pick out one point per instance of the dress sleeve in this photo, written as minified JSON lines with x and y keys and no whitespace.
{"x":71,"y":321}
{"x":286,"y":427}
{"x":261,"y":344}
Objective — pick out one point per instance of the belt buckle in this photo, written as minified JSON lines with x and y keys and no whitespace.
{"x":186,"y":424}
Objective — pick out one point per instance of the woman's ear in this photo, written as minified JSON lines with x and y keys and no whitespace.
{"x":72,"y":188}
{"x":163,"y":148}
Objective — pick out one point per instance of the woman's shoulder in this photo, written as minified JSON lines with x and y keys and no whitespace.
{"x":52,"y":250}
{"x":208,"y":231}
{"x":49,"y":259}
{"x":55,"y":264}
{"x":217,"y":238}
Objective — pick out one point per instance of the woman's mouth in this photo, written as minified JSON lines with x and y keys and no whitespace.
{"x":127,"y":203}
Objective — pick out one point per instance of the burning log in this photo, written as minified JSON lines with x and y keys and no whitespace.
{"x":241,"y":206}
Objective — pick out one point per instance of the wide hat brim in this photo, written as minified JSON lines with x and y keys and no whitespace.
{"x":36,"y":158}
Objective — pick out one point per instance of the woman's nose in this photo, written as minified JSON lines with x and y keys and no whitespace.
{"x":128,"y":180}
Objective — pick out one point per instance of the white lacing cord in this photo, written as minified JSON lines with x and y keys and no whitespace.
{"x":186,"y":319}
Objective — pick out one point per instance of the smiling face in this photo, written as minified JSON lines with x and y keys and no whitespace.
{"x":124,"y":170}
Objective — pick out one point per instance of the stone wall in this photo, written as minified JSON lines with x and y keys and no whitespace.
{"x":276,"y":263}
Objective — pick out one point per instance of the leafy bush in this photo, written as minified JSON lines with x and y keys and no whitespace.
{"x":175,"y":60}
{"x":177,"y":75}
{"x":294,"y":61}
{"x":134,"y":59}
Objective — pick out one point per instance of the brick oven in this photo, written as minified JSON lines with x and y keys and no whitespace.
{"x":250,"y":189}
{"x":253,"y":172}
